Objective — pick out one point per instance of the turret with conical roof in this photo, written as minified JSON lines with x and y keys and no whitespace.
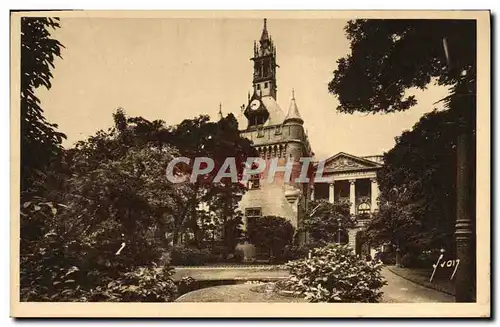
{"x":293,"y":114}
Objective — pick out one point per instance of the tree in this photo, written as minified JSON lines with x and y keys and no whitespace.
{"x":390,"y":56}
{"x":417,"y":186}
{"x":40,"y":141}
{"x":271,"y":233}
{"x":199,"y":137}
{"x":387,"y":58}
{"x":321,"y":221}
{"x":110,"y":216}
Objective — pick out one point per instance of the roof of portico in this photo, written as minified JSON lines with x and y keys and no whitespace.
{"x":343,"y":162}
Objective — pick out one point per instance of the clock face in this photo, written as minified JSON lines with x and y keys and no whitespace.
{"x":255,"y":104}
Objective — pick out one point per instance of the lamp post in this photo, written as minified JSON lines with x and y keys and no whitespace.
{"x":465,"y":279}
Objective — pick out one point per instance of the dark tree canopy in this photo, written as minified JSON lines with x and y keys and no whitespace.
{"x":40,"y":141}
{"x":417,"y":184}
{"x":389,"y":56}
{"x":272,"y":233}
{"x":322,"y":218}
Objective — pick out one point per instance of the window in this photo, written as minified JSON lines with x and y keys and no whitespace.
{"x":254,"y":182}
{"x":265,"y":85}
{"x":363,"y":208}
{"x":258,"y":87}
{"x":252,"y":213}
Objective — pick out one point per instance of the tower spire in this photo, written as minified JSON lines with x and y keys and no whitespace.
{"x":265,"y":35}
{"x":220,"y":111}
{"x":293,"y":114}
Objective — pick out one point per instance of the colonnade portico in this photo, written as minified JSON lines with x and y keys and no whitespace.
{"x":353,"y":199}
{"x":351,"y":179}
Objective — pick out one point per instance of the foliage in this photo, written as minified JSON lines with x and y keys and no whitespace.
{"x":335,"y":274}
{"x":233,"y":231}
{"x":40,"y":141}
{"x":321,"y":221}
{"x":387,"y":59}
{"x":387,"y":258}
{"x":189,"y":256}
{"x":199,"y":137}
{"x":271,"y":233}
{"x":295,"y":252}
{"x":389,"y":56}
{"x":42,"y":246}
{"x":144,"y":284}
{"x":417,"y":183}
{"x":115,"y":197}
{"x":186,"y":284}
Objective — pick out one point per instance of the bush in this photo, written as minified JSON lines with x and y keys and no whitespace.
{"x":143,"y":284}
{"x":428,"y":258}
{"x":186,"y":284}
{"x":387,"y":258}
{"x":271,"y":234}
{"x":187,"y":256}
{"x":335,"y":274}
{"x":295,"y":252}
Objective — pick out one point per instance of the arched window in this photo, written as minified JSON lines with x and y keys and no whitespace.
{"x":363,"y":208}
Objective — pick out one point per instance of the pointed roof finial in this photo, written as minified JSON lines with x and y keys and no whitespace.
{"x":293,"y":94}
{"x":265,"y":34}
{"x":220,"y":111}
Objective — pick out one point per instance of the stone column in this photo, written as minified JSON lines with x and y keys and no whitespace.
{"x":331,"y":194}
{"x":352,"y":195}
{"x":374,"y":194}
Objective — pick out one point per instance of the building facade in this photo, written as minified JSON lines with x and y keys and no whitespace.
{"x":282,"y":136}
{"x":353,"y":180}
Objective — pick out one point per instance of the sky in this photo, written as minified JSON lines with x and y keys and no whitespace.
{"x":178,"y":68}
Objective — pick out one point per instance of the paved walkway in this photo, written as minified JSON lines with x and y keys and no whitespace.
{"x":400,"y":290}
{"x":421,"y":277}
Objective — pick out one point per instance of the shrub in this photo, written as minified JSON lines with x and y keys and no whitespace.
{"x":387,"y":258}
{"x":272,"y":234}
{"x":143,"y":284}
{"x":335,"y":274}
{"x":186,"y":284}
{"x":428,"y":258}
{"x":295,"y":252}
{"x":187,"y":256}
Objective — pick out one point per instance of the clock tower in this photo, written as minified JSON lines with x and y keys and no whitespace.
{"x":264,"y":79}
{"x":280,"y":140}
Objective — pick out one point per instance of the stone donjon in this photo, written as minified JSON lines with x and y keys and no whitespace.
{"x":274,"y":135}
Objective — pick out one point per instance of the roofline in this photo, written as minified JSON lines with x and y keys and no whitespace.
{"x":350,"y":156}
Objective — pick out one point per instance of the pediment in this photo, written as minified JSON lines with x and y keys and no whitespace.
{"x":344,"y":161}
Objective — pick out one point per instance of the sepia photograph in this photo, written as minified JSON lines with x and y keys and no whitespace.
{"x":208,"y":163}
